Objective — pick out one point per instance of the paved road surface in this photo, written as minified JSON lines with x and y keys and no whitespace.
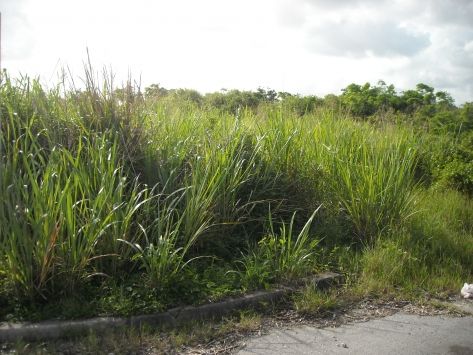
{"x":396,"y":334}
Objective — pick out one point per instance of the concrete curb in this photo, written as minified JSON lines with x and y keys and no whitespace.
{"x":59,"y":329}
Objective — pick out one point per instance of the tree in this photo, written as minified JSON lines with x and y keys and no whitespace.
{"x":155,"y":90}
{"x":360,"y":100}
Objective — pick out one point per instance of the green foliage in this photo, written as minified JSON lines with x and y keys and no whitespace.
{"x":361,"y":100}
{"x":135,"y":203}
{"x":368,"y":173}
{"x":155,"y":91}
{"x":447,"y":161}
{"x":281,"y":256}
{"x":366,"y":100}
{"x":162,"y":257}
{"x":188,"y":95}
{"x":432,"y":254}
{"x":60,"y":219}
{"x":232,"y":101}
{"x":313,"y":301}
{"x":300,"y":105}
{"x":466,"y":117}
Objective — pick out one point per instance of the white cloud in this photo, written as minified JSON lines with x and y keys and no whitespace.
{"x":17,"y":34}
{"x":450,"y":12}
{"x":348,"y":38}
{"x":293,"y":45}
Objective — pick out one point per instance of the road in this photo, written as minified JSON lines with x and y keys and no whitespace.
{"x":400,"y":333}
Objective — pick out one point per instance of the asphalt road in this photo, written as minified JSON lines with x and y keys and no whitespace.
{"x":397,"y":334}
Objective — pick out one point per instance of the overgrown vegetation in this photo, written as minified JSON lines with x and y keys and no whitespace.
{"x":118,"y":202}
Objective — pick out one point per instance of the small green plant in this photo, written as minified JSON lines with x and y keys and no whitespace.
{"x":313,"y":301}
{"x":163,"y":254}
{"x":281,"y":256}
{"x":254,"y":271}
{"x":162,"y":262}
{"x":385,"y":267}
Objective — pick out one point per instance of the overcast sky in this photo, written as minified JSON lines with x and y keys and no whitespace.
{"x":301,"y":46}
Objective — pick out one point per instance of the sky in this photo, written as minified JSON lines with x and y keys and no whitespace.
{"x":310,"y":47}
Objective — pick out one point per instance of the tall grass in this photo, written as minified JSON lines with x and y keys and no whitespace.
{"x":363,"y":172}
{"x":61,"y":211}
{"x":370,"y":174}
{"x":100,"y":183}
{"x":432,"y":254}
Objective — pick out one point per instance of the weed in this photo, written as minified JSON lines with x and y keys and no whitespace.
{"x":313,"y":301}
{"x":282,"y":256}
